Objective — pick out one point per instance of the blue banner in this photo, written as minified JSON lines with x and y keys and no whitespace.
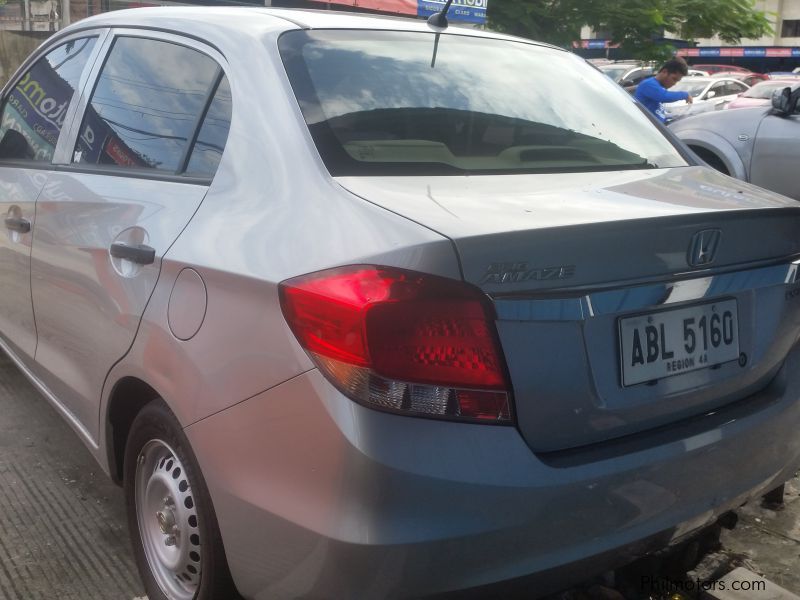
{"x":709,"y":51}
{"x":471,"y":11}
{"x":755,"y":51}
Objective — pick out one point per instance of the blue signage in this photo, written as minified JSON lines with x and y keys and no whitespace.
{"x":595,"y":44}
{"x":709,"y":51}
{"x":755,"y":51}
{"x":471,"y":11}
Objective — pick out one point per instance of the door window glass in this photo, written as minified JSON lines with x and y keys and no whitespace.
{"x":210,"y":142}
{"x":718,"y":89}
{"x":145,"y":106}
{"x":34,"y":110}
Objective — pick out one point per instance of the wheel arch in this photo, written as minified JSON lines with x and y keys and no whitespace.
{"x":717,"y":146}
{"x":127,"y":398}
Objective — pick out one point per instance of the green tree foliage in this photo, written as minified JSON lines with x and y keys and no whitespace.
{"x":638,"y":25}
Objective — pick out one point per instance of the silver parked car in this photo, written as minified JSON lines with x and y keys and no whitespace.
{"x":357,"y":307}
{"x":760,"y":145}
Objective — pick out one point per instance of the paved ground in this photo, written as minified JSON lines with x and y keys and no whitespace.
{"x":62,"y":522}
{"x":63,"y":534}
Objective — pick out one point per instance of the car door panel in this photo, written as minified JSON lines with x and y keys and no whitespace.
{"x":88,"y":303}
{"x":776,"y":155}
{"x":107,"y":217}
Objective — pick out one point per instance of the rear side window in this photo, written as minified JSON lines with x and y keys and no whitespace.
{"x":34,"y":110}
{"x":150,"y":99}
{"x":405,"y":103}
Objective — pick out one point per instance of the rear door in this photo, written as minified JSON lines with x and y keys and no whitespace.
{"x":136,"y":171}
{"x":33,"y":112}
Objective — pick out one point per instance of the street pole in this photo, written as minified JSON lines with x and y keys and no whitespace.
{"x":26,"y":25}
{"x":65,"y":17}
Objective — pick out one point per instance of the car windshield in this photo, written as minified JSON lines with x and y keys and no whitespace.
{"x":694,"y":88}
{"x":764,"y":90}
{"x":405,"y":103}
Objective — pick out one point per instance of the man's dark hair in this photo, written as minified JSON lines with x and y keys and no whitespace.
{"x":675,"y":65}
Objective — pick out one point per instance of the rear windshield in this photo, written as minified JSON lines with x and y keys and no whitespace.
{"x":408,"y":103}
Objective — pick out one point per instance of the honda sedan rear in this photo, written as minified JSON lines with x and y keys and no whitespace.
{"x":367,"y":308}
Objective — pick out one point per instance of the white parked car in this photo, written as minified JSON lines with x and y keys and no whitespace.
{"x":708,"y":94}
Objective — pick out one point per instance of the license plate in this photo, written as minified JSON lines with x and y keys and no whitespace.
{"x":671,"y":342}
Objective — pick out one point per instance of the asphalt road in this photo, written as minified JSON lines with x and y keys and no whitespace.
{"x":63,"y":533}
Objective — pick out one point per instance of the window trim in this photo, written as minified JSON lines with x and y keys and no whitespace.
{"x":65,"y":163}
{"x":101,"y":35}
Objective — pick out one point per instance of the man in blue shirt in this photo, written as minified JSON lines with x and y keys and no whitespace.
{"x":653,"y":91}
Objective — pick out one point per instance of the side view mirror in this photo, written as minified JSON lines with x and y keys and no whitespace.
{"x":710,"y":95}
{"x":782,"y":101}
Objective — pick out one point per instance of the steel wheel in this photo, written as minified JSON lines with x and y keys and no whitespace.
{"x":168,"y":524}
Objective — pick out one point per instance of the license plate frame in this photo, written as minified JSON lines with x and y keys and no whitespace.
{"x":655,"y":344}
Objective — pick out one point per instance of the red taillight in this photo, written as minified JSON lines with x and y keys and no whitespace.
{"x":401,"y":340}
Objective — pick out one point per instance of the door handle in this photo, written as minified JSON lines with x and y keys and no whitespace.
{"x":18,"y":224}
{"x":140,"y":254}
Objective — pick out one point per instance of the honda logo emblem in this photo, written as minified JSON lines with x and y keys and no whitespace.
{"x":703,"y":247}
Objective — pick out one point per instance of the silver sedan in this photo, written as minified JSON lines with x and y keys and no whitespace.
{"x":356,"y":307}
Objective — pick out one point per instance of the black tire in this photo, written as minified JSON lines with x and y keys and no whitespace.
{"x":155,"y":434}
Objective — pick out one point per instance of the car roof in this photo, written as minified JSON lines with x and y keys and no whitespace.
{"x":727,"y":67}
{"x":621,"y":63}
{"x":244,"y":19}
{"x":788,"y":82}
{"x":702,"y":79}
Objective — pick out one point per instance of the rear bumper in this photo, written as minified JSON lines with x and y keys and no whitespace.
{"x":319,"y":497}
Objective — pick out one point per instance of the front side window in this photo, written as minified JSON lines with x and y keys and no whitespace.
{"x":146,"y":106}
{"x":34,"y":111}
{"x":382,"y":102}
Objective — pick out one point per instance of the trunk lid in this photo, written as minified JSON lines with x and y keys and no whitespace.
{"x":580,"y":265}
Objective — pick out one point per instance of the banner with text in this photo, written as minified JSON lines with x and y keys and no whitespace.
{"x":470,"y":11}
